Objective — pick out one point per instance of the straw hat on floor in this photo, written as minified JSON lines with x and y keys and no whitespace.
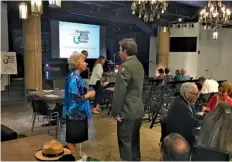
{"x":52,"y":151}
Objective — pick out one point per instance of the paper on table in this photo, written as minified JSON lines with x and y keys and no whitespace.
{"x":200,"y":113}
{"x":51,"y":95}
{"x":198,"y":128}
{"x":48,"y":90}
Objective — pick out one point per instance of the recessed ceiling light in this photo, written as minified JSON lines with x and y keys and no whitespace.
{"x":180,"y":19}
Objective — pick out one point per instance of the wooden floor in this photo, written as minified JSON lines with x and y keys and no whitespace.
{"x":18,"y":117}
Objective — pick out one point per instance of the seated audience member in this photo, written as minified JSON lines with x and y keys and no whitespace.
{"x":161,"y":74}
{"x":185,"y":76}
{"x":178,"y":76}
{"x":167,"y":77}
{"x":208,"y":85}
{"x":175,"y":148}
{"x":216,"y":129}
{"x":225,"y":89}
{"x":181,"y":115}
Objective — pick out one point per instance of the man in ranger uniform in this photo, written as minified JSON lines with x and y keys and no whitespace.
{"x":127,"y":106}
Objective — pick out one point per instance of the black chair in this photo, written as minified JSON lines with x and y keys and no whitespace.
{"x":166,"y":104}
{"x":204,"y":98}
{"x":106,"y":99}
{"x":162,"y":109}
{"x":28,"y":96}
{"x":167,"y":93}
{"x":202,"y":101}
{"x":163,"y":124}
{"x":146,"y":100}
{"x":40,"y":108}
{"x":155,"y":100}
{"x":207,"y":154}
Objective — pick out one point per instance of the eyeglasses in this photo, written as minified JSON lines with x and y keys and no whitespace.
{"x":196,"y":94}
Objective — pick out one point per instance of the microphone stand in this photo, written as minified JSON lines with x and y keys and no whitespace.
{"x":115,"y":54}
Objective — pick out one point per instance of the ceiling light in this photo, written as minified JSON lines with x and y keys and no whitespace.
{"x":180,"y":19}
{"x":205,"y":27}
{"x":149,"y":9}
{"x":165,"y":29}
{"x":215,"y":35}
{"x":36,"y":7}
{"x":228,"y":12}
{"x":55,"y":3}
{"x":214,"y":14}
{"x":23,"y":11}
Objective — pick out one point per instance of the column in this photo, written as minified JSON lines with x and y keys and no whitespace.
{"x":4,"y":42}
{"x":163,"y":48}
{"x":32,"y":52}
{"x":152,"y":56}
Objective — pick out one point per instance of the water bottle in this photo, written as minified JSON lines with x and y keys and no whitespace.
{"x":63,"y":134}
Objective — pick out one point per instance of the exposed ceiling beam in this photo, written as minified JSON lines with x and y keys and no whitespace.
{"x":194,"y":3}
{"x":70,"y":9}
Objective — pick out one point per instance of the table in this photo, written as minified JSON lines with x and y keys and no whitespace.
{"x":23,"y":149}
{"x":44,"y":95}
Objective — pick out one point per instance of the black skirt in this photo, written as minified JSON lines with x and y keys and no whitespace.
{"x":76,"y":131}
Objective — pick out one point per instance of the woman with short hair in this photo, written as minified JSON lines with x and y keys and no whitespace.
{"x":76,"y":109}
{"x":225,"y":89}
{"x":161,"y":74}
{"x":168,"y":77}
{"x":178,"y":76}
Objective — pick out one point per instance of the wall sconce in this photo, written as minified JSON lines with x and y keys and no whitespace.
{"x":55,"y":3}
{"x":23,"y":11}
{"x":165,"y":29}
{"x":36,"y":7}
{"x":215,"y":35}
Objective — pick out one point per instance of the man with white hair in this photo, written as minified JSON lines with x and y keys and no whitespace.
{"x":185,"y":76}
{"x":181,"y":116}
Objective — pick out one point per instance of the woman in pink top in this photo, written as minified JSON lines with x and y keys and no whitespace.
{"x":225,"y":89}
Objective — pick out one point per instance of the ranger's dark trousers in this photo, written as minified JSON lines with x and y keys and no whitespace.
{"x":128,"y":132}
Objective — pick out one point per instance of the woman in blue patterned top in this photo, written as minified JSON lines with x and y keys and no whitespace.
{"x":76,"y":108}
